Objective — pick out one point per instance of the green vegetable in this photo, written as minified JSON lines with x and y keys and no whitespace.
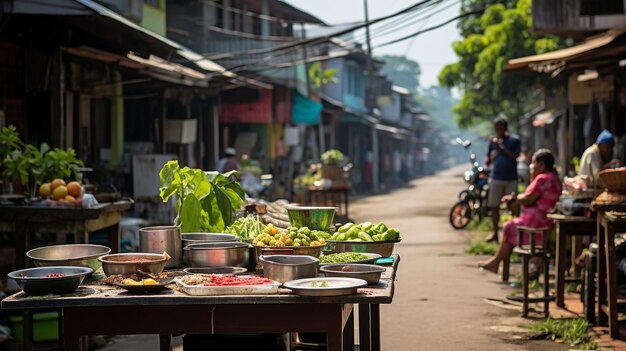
{"x":206,"y":200}
{"x":246,"y":228}
{"x":343,"y":257}
{"x":332,"y":157}
{"x":366,"y":232}
{"x":322,"y":284}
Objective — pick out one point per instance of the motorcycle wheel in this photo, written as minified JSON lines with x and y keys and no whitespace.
{"x":460,"y":215}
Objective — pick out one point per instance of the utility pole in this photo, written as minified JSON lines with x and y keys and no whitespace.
{"x":369,"y":97}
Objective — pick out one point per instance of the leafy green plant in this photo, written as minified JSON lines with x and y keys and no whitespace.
{"x":205,"y":201}
{"x":480,"y":247}
{"x":573,"y":331}
{"x":320,"y":77}
{"x":48,"y":164}
{"x":9,"y":141}
{"x":332,"y":157}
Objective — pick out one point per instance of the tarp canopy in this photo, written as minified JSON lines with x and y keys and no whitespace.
{"x":305,"y":110}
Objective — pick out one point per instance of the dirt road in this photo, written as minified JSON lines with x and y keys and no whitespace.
{"x":439,"y":300}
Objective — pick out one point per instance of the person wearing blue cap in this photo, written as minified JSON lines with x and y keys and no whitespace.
{"x":597,"y":157}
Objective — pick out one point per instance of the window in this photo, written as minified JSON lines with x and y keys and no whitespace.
{"x":601,"y":7}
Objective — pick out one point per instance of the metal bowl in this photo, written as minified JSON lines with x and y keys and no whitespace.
{"x":383,"y":248}
{"x":162,"y":239}
{"x":216,"y":270}
{"x":83,"y":255}
{"x":130,"y":263}
{"x":317,"y":218}
{"x":314,"y":251}
{"x":195,"y":238}
{"x":217,"y":254}
{"x":368,"y":272}
{"x":33,"y":281}
{"x":283,"y":268}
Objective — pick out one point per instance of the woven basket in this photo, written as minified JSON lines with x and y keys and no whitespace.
{"x":614,"y":180}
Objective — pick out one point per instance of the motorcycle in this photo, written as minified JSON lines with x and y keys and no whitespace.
{"x":473,"y":200}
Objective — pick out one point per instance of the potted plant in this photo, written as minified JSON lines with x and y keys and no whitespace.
{"x":331,"y":164}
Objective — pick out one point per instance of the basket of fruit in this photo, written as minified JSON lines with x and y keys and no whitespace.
{"x":614,"y":180}
{"x":59,"y":194}
{"x":365,"y":237}
{"x":296,"y":241}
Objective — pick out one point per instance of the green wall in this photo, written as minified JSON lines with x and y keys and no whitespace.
{"x":154,"y":17}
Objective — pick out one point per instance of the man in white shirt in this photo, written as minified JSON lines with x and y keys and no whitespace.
{"x":596,"y":158}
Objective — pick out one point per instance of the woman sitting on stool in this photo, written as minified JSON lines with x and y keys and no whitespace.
{"x":538,"y":199}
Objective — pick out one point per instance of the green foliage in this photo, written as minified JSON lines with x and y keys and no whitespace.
{"x":24,"y":162}
{"x":206,"y":200}
{"x":402,"y":71}
{"x":320,"y":77}
{"x":480,"y":248}
{"x":502,"y":32}
{"x":332,"y":157}
{"x":573,"y":331}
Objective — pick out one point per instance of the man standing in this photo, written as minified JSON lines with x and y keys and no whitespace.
{"x":504,"y":148}
{"x":597,"y":157}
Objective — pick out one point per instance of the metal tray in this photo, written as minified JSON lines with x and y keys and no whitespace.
{"x":198,"y":290}
{"x":147,"y":289}
{"x":337,"y":286}
{"x":383,"y":248}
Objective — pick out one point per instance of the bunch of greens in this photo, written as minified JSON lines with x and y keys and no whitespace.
{"x":343,"y":257}
{"x":246,"y":228}
{"x":332,"y":157}
{"x":206,"y":200}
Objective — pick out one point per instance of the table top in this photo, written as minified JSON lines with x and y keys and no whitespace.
{"x":602,"y":206}
{"x":43,"y":214}
{"x":565,"y":218}
{"x":100,"y":295}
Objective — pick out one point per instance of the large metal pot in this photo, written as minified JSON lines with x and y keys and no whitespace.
{"x":314,"y":251}
{"x":195,"y":238}
{"x":162,"y":239}
{"x":217,"y":254}
{"x":283,"y":268}
{"x":130,"y":263}
{"x":313,"y":217}
{"x":83,"y":255}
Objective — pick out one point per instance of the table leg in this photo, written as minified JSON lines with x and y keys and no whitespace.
{"x":375,"y":327}
{"x":602,"y":317}
{"x":348,"y":333}
{"x":560,"y":266}
{"x":611,"y":277}
{"x":114,"y":237}
{"x":577,"y":249}
{"x":165,"y":342}
{"x":365,"y":340}
{"x":21,"y":245}
{"x":334,"y":339}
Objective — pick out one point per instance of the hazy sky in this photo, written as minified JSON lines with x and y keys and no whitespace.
{"x":432,"y":50}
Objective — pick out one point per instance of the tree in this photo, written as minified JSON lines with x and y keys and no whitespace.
{"x":402,"y":71}
{"x":502,"y":32}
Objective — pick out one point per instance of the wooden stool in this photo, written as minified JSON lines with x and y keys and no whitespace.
{"x":526,"y":252}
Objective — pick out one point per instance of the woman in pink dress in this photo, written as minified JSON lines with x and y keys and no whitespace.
{"x":538,"y":199}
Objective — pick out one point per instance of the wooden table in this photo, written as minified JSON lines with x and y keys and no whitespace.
{"x":108,"y":310}
{"x":25,"y":220}
{"x":611,"y":220}
{"x":568,"y":226}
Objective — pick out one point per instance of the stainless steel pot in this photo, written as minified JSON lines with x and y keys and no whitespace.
{"x":283,"y":268}
{"x":195,"y":238}
{"x":162,"y":239}
{"x":217,"y":254}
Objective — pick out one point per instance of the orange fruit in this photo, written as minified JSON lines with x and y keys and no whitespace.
{"x":60,"y":192}
{"x":56,"y":183}
{"x":70,"y":198}
{"x":74,"y":189}
{"x":45,"y":190}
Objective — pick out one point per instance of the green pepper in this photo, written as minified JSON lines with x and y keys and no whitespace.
{"x":365,"y":236}
{"x":366,"y":225}
{"x":334,"y":236}
{"x":377,"y":237}
{"x":341,"y":236}
{"x":352,"y":233}
{"x":391,"y":235}
{"x":345,"y":227}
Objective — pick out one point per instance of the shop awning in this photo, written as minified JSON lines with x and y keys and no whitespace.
{"x":350,"y":116}
{"x":305,"y":110}
{"x":552,"y":61}
{"x":397,"y":133}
